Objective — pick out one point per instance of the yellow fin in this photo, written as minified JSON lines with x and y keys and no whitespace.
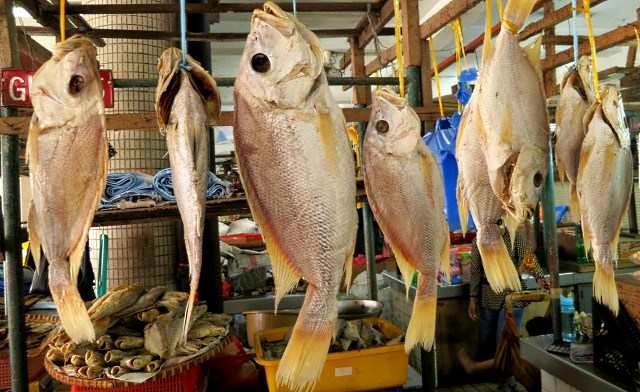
{"x":406,"y":269}
{"x":586,"y":235}
{"x":34,"y":239}
{"x":614,"y":246}
{"x":532,"y":52}
{"x":463,"y":208}
{"x":71,"y":309}
{"x":327,"y":138}
{"x":500,"y":271}
{"x":517,"y":11}
{"x":348,"y":268}
{"x":604,"y":288}
{"x":285,"y":277}
{"x":512,"y":226}
{"x":445,"y":261}
{"x":304,"y":357}
{"x":422,"y":325}
{"x":574,"y":204}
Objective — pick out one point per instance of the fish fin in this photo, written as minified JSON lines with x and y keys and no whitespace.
{"x":285,"y":277}
{"x":326,"y":130}
{"x":614,"y":246}
{"x":71,"y":309}
{"x":422,"y":324}
{"x":574,"y":204}
{"x":206,"y":86}
{"x":305,"y":355}
{"x":348,"y":269}
{"x":512,"y":226}
{"x":168,"y":84}
{"x":586,"y":77}
{"x":445,"y":260}
{"x":586,"y":236}
{"x":32,"y":141}
{"x":517,"y":11}
{"x":498,"y":266}
{"x":588,"y":116}
{"x":463,"y":207}
{"x":561,"y":171}
{"x":532,"y":52}
{"x":406,"y":269}
{"x":604,"y":286}
{"x":613,"y":113}
{"x":35,"y":242}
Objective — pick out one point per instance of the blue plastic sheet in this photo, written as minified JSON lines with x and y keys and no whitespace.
{"x":127,"y":186}
{"x":163,"y":184}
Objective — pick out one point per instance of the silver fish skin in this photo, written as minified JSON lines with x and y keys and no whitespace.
{"x":514,"y":124}
{"x":412,"y":217}
{"x":474,"y":193}
{"x":605,"y":178}
{"x":577,"y":94}
{"x":187,"y":103}
{"x":297,"y":168}
{"x":67,"y":130}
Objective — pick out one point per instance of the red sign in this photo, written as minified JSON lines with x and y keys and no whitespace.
{"x":15,"y":85}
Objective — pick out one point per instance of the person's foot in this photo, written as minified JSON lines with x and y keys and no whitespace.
{"x":465,"y":361}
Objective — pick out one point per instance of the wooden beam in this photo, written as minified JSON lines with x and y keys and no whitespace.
{"x":361,"y":94}
{"x":425,"y":76}
{"x":602,"y":42}
{"x":411,"y":46}
{"x":149,"y":34}
{"x":385,"y":57}
{"x":379,"y":21}
{"x":558,"y":16}
{"x":445,"y":16}
{"x":149,"y":122}
{"x":566,"y":40}
{"x":33,"y":54}
{"x":86,"y":9}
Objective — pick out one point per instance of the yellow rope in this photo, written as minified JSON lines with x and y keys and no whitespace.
{"x":637,"y":37}
{"x":435,"y":72}
{"x":396,"y":13}
{"x":511,"y":26}
{"x":592,"y":43}
{"x":63,"y":20}
{"x":499,"y":7}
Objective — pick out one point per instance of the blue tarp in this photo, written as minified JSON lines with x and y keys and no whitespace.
{"x":163,"y":184}
{"x":127,"y":186}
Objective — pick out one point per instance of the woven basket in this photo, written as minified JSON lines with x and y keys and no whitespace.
{"x":35,"y":361}
{"x":172,"y":371}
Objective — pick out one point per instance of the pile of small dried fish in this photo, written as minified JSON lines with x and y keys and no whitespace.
{"x":348,"y":335}
{"x":138,"y":330}
{"x":37,"y":333}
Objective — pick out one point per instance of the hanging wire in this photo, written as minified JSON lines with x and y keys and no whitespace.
{"x":574,"y":4}
{"x":183,"y":33}
{"x":435,"y":72}
{"x":592,"y":43}
{"x":26,"y":40}
{"x":295,"y":10}
{"x":396,"y":13}
{"x":376,"y":40}
{"x":63,"y":20}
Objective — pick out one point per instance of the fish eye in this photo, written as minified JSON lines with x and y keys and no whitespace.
{"x":76,"y":84}
{"x":537,"y":180}
{"x":382,"y":126}
{"x":260,"y":63}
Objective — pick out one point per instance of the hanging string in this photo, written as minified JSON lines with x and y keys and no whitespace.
{"x":295,"y":11}
{"x":459,"y":40}
{"x":575,"y":32}
{"x":183,"y":32}
{"x":396,"y":13}
{"x":435,"y":72}
{"x":376,"y":40}
{"x":499,"y":8}
{"x":592,"y":43}
{"x":63,"y":20}
{"x":637,"y":37}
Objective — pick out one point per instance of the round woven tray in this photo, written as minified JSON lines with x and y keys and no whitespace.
{"x":105,"y":383}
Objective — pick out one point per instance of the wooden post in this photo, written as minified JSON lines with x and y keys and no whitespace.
{"x":411,"y":48}
{"x":633,"y":49}
{"x":549,"y":77}
{"x":361,"y":94}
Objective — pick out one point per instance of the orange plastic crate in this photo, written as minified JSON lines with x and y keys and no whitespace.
{"x":181,"y":382}
{"x":35,"y":367}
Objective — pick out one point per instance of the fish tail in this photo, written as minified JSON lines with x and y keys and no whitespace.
{"x":516,"y":12}
{"x":194,"y":251}
{"x":304,"y":357}
{"x":422,"y":325}
{"x":71,"y":309}
{"x":574,"y":204}
{"x":604,"y":286}
{"x":498,"y":266}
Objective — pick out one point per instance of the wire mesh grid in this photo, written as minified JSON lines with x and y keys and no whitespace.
{"x":142,"y":252}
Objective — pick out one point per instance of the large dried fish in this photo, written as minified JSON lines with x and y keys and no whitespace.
{"x":163,"y":335}
{"x":605,"y":177}
{"x":187,"y":103}
{"x":121,"y":298}
{"x":67,"y":129}
{"x":202,"y":329}
{"x":514,"y":124}
{"x":297,"y":169}
{"x":147,"y":299}
{"x":412,"y":218}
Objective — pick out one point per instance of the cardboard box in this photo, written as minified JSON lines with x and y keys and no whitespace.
{"x":629,"y":248}
{"x":629,"y":292}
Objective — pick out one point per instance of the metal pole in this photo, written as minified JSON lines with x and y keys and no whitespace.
{"x":551,"y":245}
{"x":228,"y":82}
{"x":367,"y":227}
{"x":631,"y":212}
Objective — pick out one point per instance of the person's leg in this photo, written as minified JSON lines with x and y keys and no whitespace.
{"x":509,"y":384}
{"x":487,"y":334}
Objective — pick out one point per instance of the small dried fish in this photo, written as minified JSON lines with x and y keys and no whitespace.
{"x":121,"y":330}
{"x":118,"y":371}
{"x":147,"y":299}
{"x":94,"y":358}
{"x":105,"y":343}
{"x":190,"y":347}
{"x":198,"y":311}
{"x":148,"y":315}
{"x":70,"y":370}
{"x":122,"y":297}
{"x":203,"y":329}
{"x":153,"y":366}
{"x":90,"y":372}
{"x":178,"y":296}
{"x":55,"y":356}
{"x":136,"y":362}
{"x":217,"y":319}
{"x":115,"y":356}
{"x":77,"y":359}
{"x":129,"y":342}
